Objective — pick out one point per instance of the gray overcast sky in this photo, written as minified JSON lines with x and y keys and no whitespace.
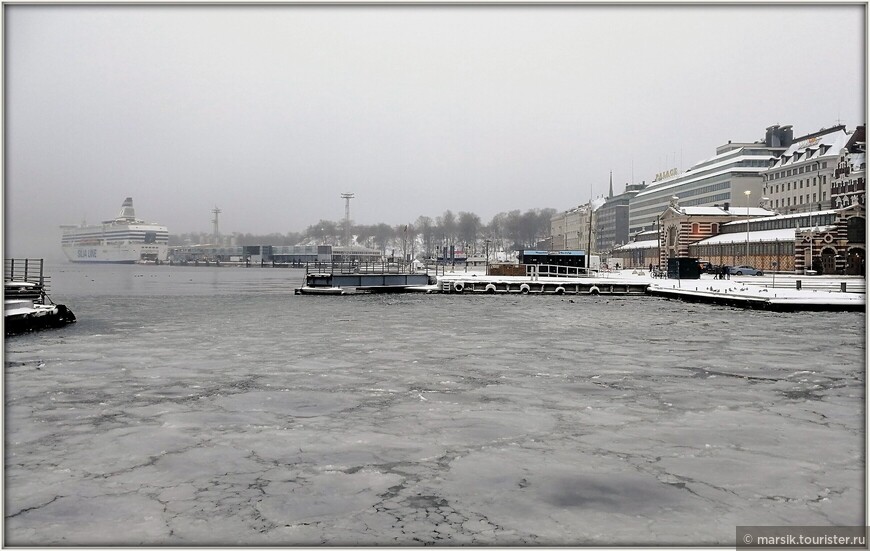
{"x":271,"y":112}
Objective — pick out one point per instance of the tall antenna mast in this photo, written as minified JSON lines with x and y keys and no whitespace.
{"x":347,"y":197}
{"x":216,"y":211}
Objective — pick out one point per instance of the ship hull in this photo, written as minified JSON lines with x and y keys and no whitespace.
{"x":109,"y":254}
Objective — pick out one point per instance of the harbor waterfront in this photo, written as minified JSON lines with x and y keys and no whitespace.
{"x":213,"y":406}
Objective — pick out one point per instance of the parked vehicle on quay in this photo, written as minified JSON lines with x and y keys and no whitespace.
{"x":745,"y":270}
{"x":706,"y":267}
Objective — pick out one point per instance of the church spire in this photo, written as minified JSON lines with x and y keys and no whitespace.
{"x":610,"y":196}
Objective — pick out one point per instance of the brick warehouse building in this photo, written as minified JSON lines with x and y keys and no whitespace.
{"x":828,"y":242}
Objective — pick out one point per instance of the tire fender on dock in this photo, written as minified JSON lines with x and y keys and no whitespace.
{"x":560,"y":290}
{"x":524,"y":288}
{"x":490,"y":288}
{"x":458,"y":286}
{"x":594,"y":290}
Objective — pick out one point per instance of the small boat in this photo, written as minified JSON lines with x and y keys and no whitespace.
{"x":26,"y":305}
{"x":306,"y":290}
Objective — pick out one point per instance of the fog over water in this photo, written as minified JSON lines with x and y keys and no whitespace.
{"x":270,"y":112}
{"x":212,"y":406}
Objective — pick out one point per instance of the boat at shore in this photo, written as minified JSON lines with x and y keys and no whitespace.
{"x":123,"y":240}
{"x":26,"y":304}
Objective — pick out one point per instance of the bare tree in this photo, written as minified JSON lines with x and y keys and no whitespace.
{"x":468,"y":228}
{"x":426,"y":230}
{"x":447,"y":224}
{"x":383,"y":234}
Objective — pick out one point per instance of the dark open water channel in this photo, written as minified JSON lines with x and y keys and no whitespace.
{"x":212,"y":406}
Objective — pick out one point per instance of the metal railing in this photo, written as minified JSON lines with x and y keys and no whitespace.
{"x":346,"y":267}
{"x":24,"y":269}
{"x":28,"y":270}
{"x":841,"y":286}
{"x":553,"y":270}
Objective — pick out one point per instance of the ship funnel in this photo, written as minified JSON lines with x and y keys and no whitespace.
{"x":127,"y":209}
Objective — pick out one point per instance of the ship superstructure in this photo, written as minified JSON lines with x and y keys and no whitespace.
{"x":124,"y":239}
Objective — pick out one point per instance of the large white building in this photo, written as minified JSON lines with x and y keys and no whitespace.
{"x":800,"y":178}
{"x":723,"y":179}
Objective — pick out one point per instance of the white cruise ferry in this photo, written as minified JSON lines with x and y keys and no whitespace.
{"x":125,"y":239}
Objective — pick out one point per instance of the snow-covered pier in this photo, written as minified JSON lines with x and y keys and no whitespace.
{"x":475,"y":283}
{"x":743,"y":294}
{"x":782,"y":292}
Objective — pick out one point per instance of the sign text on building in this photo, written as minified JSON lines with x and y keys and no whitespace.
{"x":665,"y":174}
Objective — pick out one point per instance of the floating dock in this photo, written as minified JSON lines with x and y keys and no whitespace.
{"x":463,"y":284}
{"x":345,"y":278}
{"x":755,"y":297}
{"x":775,"y":293}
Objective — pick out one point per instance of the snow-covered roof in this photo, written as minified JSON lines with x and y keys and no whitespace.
{"x":718,"y":211}
{"x":703,"y":211}
{"x":856,"y":160}
{"x":648,"y":244}
{"x":810,"y":148}
{"x":784,"y":234}
{"x":785,"y":216}
{"x":598,"y":202}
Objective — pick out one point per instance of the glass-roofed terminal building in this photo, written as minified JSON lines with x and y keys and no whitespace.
{"x":724,"y":178}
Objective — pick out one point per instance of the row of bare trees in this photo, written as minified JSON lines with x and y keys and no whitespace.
{"x":507,"y":231}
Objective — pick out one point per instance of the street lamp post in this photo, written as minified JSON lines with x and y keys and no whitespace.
{"x":486,"y":244}
{"x":763,"y":204}
{"x":747,"y":193}
{"x":658,"y":264}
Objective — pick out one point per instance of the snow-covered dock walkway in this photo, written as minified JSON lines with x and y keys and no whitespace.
{"x":771,"y":292}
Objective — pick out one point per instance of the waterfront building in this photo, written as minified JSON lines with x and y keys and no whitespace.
{"x":681,"y":227}
{"x":575,"y":228}
{"x":676,"y":229}
{"x":566,"y":228}
{"x":800,"y":178}
{"x":848,"y":185}
{"x":830,"y":241}
{"x":723,"y":178}
{"x":611,"y":218}
{"x":272,"y":254}
{"x":643,"y":250}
